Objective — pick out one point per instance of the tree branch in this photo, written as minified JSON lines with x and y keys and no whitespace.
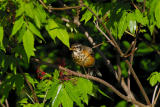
{"x":156,"y":97}
{"x":121,"y":54}
{"x":144,"y":6}
{"x":154,"y":93}
{"x":50,"y":8}
{"x":70,"y":72}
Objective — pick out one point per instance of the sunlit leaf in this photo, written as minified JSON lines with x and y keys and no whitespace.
{"x":122,"y":25}
{"x":18,"y":24}
{"x":86,"y":16}
{"x":1,"y":37}
{"x":55,"y":30}
{"x":157,"y":14}
{"x":35,"y":30}
{"x":28,"y":43}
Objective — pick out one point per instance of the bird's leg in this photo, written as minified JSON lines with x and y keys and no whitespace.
{"x":85,"y":70}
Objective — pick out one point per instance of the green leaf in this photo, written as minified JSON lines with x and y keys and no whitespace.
{"x":157,"y":14}
{"x":143,"y":48}
{"x":81,"y":87}
{"x":73,"y":93}
{"x":19,"y":81}
{"x":86,"y":16}
{"x":31,"y":79}
{"x":18,"y":24}
{"x":62,"y":34}
{"x":154,"y":78}
{"x":122,"y":25}
{"x":35,"y":30}
{"x":122,"y":104}
{"x":56,"y":74}
{"x":28,"y":43}
{"x":51,"y":25}
{"x":1,"y":37}
{"x":55,"y":30}
{"x":29,"y":7}
{"x":52,"y":90}
{"x":65,"y":99}
{"x":40,"y":13}
{"x":140,"y":19}
{"x":20,"y":11}
{"x":34,"y":105}
{"x":37,"y":21}
{"x":104,"y":94}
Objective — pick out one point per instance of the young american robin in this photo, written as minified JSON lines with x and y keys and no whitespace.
{"x":82,"y":55}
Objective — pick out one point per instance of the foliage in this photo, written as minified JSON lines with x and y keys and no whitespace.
{"x":29,"y":29}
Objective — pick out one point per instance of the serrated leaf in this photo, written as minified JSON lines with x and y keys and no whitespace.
{"x":19,"y":11}
{"x":66,"y":100}
{"x":122,"y":25}
{"x":52,"y":90}
{"x":51,"y":25}
{"x":62,"y":34}
{"x":140,"y":19}
{"x":56,"y":74}
{"x":29,"y":7}
{"x":81,"y":86}
{"x":55,"y":30}
{"x":35,"y":30}
{"x":18,"y":24}
{"x":37,"y":21}
{"x":86,"y":16}
{"x":40,"y":12}
{"x":28,"y":43}
{"x":73,"y":93}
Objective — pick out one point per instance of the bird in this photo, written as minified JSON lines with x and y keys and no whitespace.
{"x":82,"y":55}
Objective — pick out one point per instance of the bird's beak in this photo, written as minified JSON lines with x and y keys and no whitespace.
{"x":71,"y":49}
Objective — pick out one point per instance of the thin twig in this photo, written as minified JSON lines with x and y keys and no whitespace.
{"x":156,"y":97}
{"x":29,"y":97}
{"x":138,"y":82}
{"x":154,"y":93}
{"x":44,"y":99}
{"x":144,"y":5}
{"x":97,"y":26}
{"x":107,"y":31}
{"x":50,"y":8}
{"x":70,"y":72}
{"x":131,"y":61}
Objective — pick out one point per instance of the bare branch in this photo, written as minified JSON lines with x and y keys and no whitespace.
{"x":50,"y":8}
{"x":154,"y":93}
{"x":138,"y":82}
{"x":97,"y":26}
{"x":156,"y":97}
